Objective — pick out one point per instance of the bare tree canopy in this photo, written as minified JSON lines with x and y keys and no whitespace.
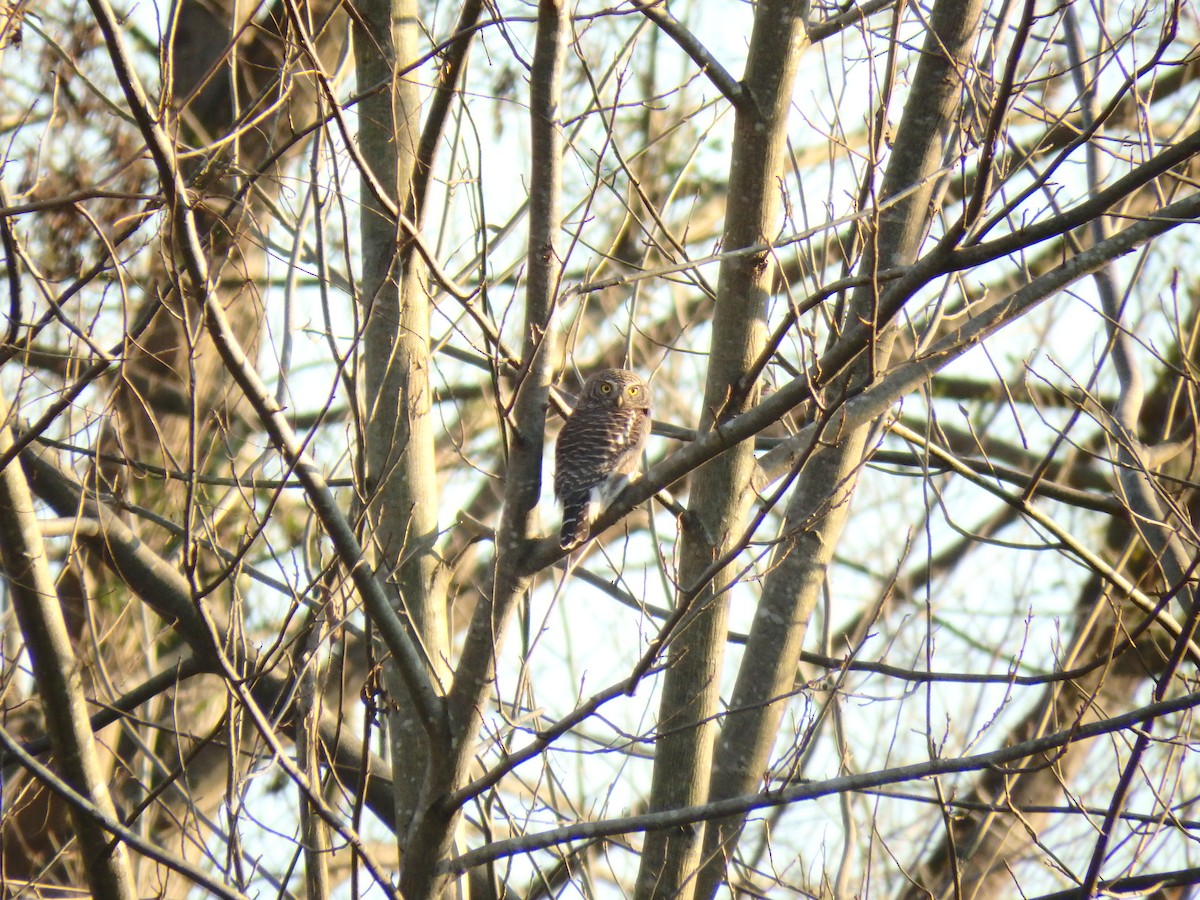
{"x":902,"y":600}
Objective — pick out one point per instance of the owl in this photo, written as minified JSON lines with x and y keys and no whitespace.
{"x":598,"y":448}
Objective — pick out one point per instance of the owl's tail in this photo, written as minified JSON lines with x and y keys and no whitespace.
{"x":576,"y":526}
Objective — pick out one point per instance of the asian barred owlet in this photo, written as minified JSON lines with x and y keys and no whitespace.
{"x":598,"y":448}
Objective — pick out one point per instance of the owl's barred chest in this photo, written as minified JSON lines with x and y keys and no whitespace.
{"x":618,"y":430}
{"x":627,"y":432}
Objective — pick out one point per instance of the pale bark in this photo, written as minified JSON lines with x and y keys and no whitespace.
{"x":712,"y":528}
{"x":820,"y":501}
{"x":248,"y":542}
{"x":399,"y":487}
{"x":431,"y":836}
{"x":56,"y":672}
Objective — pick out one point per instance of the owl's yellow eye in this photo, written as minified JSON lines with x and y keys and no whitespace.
{"x":606,"y":388}
{"x":634,"y":390}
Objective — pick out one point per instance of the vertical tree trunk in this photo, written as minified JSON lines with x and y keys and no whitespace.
{"x":712,"y":527}
{"x":430,"y":838}
{"x":399,"y":487}
{"x":820,"y":500}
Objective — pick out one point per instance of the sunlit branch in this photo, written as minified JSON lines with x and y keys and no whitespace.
{"x":36,"y":604}
{"x":794,"y":794}
{"x":112,"y":825}
{"x":407,"y":656}
{"x":730,"y":87}
{"x":1069,"y":543}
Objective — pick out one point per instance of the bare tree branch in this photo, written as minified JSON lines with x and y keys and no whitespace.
{"x":288,"y":443}
{"x":56,"y":672}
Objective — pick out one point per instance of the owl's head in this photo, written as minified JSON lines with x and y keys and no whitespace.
{"x":619,"y":388}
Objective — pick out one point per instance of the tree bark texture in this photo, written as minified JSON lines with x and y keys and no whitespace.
{"x":713,"y":525}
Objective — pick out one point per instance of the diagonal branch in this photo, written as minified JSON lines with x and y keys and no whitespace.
{"x":714,"y":531}
{"x":56,"y":672}
{"x":649,"y":822}
{"x":710,"y":66}
{"x":408,"y":657}
{"x":433,"y":831}
{"x":158,"y":584}
{"x":819,"y":506}
{"x":91,"y":811}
